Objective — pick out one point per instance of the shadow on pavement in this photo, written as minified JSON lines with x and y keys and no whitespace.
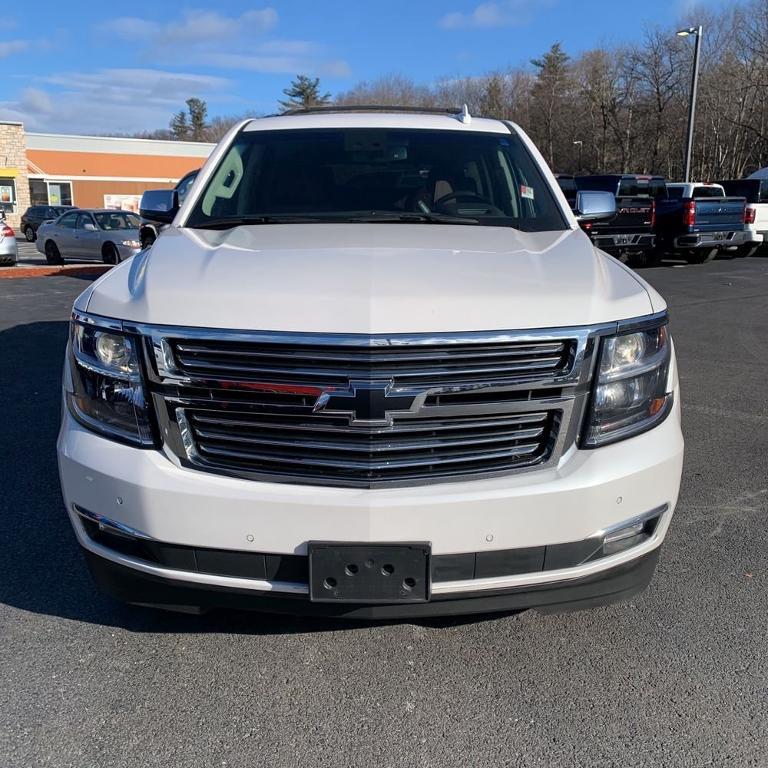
{"x":41,"y":567}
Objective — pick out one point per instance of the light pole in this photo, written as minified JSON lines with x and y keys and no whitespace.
{"x":694,"y":84}
{"x":580,"y":144}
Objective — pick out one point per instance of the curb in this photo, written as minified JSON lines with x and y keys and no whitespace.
{"x":75,"y":270}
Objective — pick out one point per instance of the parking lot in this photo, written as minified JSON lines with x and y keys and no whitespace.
{"x":678,"y":677}
{"x":29,"y":256}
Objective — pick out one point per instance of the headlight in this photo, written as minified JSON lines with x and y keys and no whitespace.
{"x":132,"y":243}
{"x":105,"y":392}
{"x":630,"y":392}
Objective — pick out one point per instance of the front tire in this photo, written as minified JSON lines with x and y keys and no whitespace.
{"x":52,"y":254}
{"x":29,"y":234}
{"x":110,"y":254}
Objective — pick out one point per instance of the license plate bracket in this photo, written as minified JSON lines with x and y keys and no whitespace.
{"x":341,"y":572}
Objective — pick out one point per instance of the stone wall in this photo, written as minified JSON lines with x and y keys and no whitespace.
{"x":13,"y":163}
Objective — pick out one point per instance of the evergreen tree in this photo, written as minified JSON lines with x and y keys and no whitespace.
{"x":180,"y":126}
{"x":198,"y":113}
{"x":493,"y":102}
{"x":304,"y":92}
{"x":549,"y":96}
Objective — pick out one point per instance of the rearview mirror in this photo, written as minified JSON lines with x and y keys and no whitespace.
{"x":159,"y":205}
{"x":595,"y":206}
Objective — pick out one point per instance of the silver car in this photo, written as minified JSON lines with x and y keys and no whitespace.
{"x":9,"y":251}
{"x":105,"y":234}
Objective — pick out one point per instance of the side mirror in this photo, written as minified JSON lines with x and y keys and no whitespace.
{"x":89,"y":226}
{"x":595,"y":206}
{"x":160,"y":205}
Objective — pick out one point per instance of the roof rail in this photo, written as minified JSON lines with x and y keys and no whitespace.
{"x":371,"y":108}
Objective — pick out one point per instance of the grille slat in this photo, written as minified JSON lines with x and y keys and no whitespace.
{"x":326,"y":365}
{"x":234,"y":371}
{"x":403,"y":427}
{"x":367,"y":355}
{"x":372,"y":465}
{"x":249,"y":407}
{"x":368,"y":446}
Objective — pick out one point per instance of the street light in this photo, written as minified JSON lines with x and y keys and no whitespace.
{"x":580,"y":145}
{"x":694,"y":84}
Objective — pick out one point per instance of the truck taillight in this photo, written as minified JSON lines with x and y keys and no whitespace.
{"x":690,"y":213}
{"x":749,"y":215}
{"x":653,"y":214}
{"x":8,"y":232}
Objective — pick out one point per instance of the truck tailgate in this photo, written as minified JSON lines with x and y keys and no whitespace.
{"x":719,"y":213}
{"x":633,"y":215}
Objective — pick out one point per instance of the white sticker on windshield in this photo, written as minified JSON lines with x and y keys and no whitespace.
{"x":526,"y":192}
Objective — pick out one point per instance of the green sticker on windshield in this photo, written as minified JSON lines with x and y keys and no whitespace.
{"x":526,"y":192}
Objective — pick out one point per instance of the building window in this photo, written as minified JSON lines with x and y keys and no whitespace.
{"x":7,"y":194}
{"x":59,"y":193}
{"x":43,"y":192}
{"x":38,"y":192}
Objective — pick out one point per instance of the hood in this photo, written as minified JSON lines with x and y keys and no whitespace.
{"x":372,"y":278}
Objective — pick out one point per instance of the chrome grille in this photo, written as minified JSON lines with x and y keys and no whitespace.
{"x":328,"y":449}
{"x":251,"y":404}
{"x":328,"y":364}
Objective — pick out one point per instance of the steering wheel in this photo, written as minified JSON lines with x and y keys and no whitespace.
{"x":456,"y":198}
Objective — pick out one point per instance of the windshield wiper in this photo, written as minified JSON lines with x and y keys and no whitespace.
{"x":387,"y":217}
{"x":237,"y":221}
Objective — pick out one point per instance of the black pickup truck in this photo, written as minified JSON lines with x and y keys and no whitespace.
{"x":697,"y":220}
{"x":629,"y":235}
{"x":567,"y":183}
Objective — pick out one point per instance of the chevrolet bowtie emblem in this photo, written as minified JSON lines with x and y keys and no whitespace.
{"x":371,"y":403}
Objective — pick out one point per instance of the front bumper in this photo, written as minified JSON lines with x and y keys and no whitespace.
{"x":587,"y":492}
{"x":607,"y":586}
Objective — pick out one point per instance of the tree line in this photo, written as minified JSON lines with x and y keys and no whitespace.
{"x":608,"y":109}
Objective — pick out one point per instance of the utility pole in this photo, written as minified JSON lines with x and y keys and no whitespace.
{"x":580,"y":144}
{"x":697,"y":31}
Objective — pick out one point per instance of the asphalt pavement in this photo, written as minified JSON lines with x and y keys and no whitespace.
{"x":677,"y":677}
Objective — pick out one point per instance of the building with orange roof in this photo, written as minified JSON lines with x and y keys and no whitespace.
{"x":87,"y":171}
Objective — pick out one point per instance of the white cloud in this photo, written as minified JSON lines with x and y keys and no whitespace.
{"x":9,"y":47}
{"x":504,"y":13}
{"x":227,"y":42}
{"x":277,"y":64}
{"x":36,"y":101}
{"x":195,"y":26}
{"x":108,"y":100}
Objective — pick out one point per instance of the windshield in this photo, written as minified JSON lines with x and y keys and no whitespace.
{"x":378,"y":174}
{"x":117,"y":220}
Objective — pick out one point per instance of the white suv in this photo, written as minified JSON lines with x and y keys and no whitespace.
{"x":373,"y":369}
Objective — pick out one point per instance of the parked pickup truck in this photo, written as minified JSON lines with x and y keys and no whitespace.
{"x":567,"y":183}
{"x":629,"y":236}
{"x":372,"y":368}
{"x":698,"y":220}
{"x":755,"y":191}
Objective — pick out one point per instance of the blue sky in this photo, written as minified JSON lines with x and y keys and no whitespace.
{"x":88,"y":67}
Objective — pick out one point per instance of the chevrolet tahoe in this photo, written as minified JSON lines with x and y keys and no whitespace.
{"x":373,"y":368}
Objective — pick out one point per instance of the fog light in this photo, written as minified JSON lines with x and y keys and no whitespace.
{"x":624,"y":533}
{"x":625,"y":538}
{"x":630,"y":533}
